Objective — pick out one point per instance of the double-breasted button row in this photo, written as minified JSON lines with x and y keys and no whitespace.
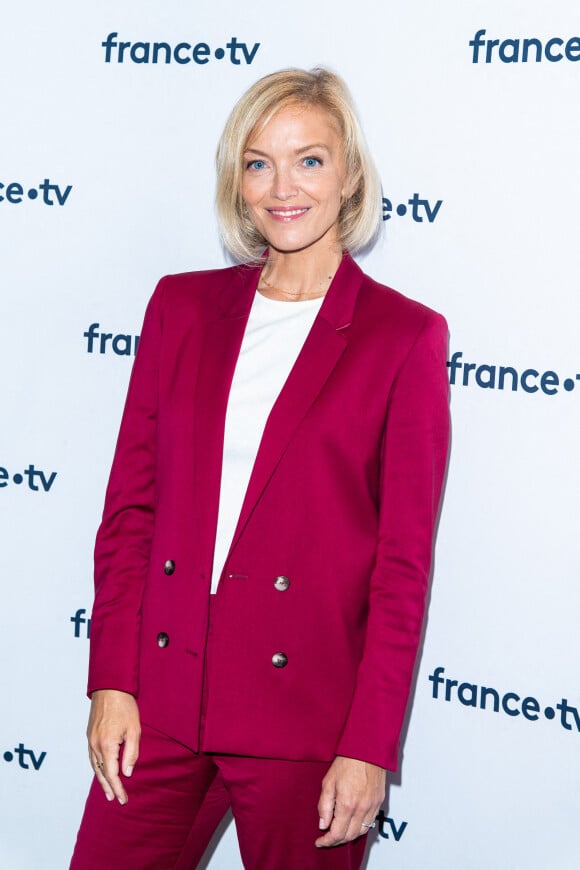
{"x":281,"y":584}
{"x":163,"y":637}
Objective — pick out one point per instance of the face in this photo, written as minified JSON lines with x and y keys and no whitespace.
{"x":294,"y":179}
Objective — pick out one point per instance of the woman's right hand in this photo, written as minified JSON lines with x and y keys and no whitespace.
{"x":114,"y":720}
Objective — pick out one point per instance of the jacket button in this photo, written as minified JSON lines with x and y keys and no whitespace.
{"x":162,"y":639}
{"x":169,"y":566}
{"x":279,"y":660}
{"x":281,"y":583}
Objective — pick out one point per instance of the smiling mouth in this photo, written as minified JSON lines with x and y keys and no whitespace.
{"x":287,"y":213}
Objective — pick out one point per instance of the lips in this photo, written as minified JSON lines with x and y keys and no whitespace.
{"x":286,"y":214}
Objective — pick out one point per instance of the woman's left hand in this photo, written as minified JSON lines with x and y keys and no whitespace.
{"x":352,"y":793}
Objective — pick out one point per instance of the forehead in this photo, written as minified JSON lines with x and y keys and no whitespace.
{"x":297,"y":125}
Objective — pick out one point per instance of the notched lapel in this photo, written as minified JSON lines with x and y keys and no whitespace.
{"x":220,"y":351}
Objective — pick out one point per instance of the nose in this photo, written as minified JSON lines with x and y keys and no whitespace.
{"x":284,"y":185}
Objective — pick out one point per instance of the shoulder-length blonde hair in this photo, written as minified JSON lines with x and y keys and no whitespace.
{"x":360,"y":214}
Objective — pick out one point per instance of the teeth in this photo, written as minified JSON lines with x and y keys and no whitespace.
{"x":288,"y":213}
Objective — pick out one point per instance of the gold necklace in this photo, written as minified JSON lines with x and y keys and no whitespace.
{"x":295,"y":294}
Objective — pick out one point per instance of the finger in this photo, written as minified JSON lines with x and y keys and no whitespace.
{"x":338,"y":828}
{"x":109,"y":794}
{"x":368,"y":826}
{"x":368,"y":823}
{"x":97,"y":766}
{"x":326,"y":804}
{"x":110,"y":771}
{"x":131,"y":752}
{"x":348,"y":827}
{"x":356,"y":827}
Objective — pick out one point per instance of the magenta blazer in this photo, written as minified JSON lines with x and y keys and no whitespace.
{"x":321,"y":601}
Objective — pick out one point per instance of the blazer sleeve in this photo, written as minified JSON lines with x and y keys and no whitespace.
{"x":413,"y":463}
{"x":124,"y":536}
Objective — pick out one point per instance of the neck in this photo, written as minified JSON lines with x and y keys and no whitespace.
{"x":298,"y":275}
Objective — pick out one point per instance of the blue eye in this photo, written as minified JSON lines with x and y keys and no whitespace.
{"x":256,"y":164}
{"x":311,"y":162}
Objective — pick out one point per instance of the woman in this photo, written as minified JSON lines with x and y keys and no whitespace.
{"x":263,"y":558}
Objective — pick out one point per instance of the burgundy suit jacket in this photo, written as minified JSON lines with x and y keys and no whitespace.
{"x":342,"y":500}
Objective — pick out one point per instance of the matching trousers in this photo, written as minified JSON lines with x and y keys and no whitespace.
{"x":178,"y":797}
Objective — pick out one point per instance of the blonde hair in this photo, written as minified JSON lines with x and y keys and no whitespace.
{"x":360,"y":214}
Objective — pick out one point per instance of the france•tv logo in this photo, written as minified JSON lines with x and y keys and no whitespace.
{"x":512,"y":704}
{"x":183,"y":53}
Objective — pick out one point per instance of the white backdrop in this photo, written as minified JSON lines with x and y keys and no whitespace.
{"x":107,"y":183}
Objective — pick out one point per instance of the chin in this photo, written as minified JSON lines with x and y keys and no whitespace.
{"x":290,"y":246}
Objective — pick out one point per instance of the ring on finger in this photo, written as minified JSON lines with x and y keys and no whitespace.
{"x":370,"y":825}
{"x":99,"y":764}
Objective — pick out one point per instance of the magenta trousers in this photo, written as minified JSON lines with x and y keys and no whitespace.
{"x":178,"y":797}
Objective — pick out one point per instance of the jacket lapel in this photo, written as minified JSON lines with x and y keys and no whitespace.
{"x":324,"y":346}
{"x":221,"y":346}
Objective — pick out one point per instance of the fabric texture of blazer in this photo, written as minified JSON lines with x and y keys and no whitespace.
{"x":342,"y":501}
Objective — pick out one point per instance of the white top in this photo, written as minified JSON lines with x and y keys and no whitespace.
{"x":274,"y":336}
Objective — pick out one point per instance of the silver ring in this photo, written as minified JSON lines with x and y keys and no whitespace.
{"x":364,"y":825}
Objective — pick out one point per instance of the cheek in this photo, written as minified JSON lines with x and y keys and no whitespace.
{"x":330,"y":190}
{"x":248,"y":192}
{"x":253,"y":189}
{"x":252,"y":210}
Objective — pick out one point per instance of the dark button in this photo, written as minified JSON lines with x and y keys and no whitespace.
{"x":281,"y":583}
{"x":169,"y":566}
{"x":279,"y":660}
{"x":162,"y":639}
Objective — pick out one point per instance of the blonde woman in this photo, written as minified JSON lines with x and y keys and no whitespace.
{"x":266,"y":543}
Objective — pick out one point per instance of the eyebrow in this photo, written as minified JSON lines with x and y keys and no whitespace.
{"x":298,"y":150}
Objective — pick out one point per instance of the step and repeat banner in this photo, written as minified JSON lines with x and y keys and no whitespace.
{"x":110,"y":115}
